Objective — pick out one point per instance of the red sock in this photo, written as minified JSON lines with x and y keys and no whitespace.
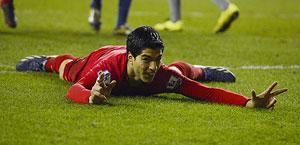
{"x":53,"y":63}
{"x":5,"y":2}
{"x":188,"y":70}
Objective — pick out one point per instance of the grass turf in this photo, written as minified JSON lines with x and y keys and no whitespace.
{"x":34,"y":111}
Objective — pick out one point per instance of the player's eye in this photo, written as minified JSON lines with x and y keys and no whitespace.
{"x":146,"y":59}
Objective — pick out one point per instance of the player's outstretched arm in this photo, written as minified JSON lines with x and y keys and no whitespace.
{"x":101,"y":91}
{"x":199,"y":91}
{"x":266,"y":99}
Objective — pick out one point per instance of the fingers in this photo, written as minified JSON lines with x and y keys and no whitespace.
{"x":271,"y":87}
{"x":96,"y":93}
{"x":102,"y":96}
{"x":272,"y":107}
{"x":253,"y":94}
{"x":96,"y":87}
{"x":278,"y":92}
{"x":99,"y":95}
{"x":112,"y":85}
{"x":272,"y":103}
{"x":99,"y":99}
{"x":100,"y":77}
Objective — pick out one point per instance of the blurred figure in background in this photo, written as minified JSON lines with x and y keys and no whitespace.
{"x":121,"y":28}
{"x":229,"y":12}
{"x":9,"y":13}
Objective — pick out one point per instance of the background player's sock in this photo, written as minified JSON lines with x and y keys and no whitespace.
{"x":53,"y":63}
{"x":96,"y":4}
{"x":222,"y":4}
{"x":95,"y":14}
{"x":5,"y":2}
{"x":174,"y":10}
{"x":124,"y":6}
{"x":9,"y":13}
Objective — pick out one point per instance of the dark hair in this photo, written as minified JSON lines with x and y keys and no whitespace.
{"x":141,"y":38}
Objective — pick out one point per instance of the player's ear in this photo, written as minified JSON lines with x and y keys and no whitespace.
{"x":130,"y":57}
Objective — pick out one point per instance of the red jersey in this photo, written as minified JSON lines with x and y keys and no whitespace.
{"x":114,"y":60}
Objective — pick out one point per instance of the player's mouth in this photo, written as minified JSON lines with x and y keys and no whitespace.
{"x":149,"y":75}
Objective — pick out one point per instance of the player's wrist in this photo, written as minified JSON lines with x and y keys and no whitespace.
{"x":91,"y":99}
{"x":249,"y":104}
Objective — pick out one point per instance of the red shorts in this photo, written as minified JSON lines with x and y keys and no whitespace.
{"x":73,"y":69}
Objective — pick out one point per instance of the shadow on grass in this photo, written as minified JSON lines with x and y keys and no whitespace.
{"x":165,"y":97}
{"x":52,"y":78}
{"x":140,"y":102}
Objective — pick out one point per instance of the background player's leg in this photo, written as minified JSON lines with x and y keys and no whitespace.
{"x":95,"y":14}
{"x":229,"y":13}
{"x":222,"y":4}
{"x":124,"y":6}
{"x":175,"y":10}
{"x":96,"y":4}
{"x":175,"y":23}
{"x":121,"y":27}
{"x":9,"y":13}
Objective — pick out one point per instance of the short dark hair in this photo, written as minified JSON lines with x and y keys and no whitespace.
{"x":143,"y":37}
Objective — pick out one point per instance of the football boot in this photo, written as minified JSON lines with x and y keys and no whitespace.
{"x":122,"y":30}
{"x":169,"y":26}
{"x":94,"y":19}
{"x":216,"y":74}
{"x":32,"y":63}
{"x":226,"y":18}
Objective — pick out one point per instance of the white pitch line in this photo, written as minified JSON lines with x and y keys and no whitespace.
{"x":6,"y":66}
{"x":143,"y":14}
{"x":249,"y":67}
{"x":195,"y":14}
{"x":8,"y":71}
{"x":267,"y":67}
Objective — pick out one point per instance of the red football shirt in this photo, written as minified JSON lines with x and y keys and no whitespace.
{"x":114,"y":59}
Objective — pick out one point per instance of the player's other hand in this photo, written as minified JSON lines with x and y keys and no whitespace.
{"x":266,"y":99}
{"x":101,"y":91}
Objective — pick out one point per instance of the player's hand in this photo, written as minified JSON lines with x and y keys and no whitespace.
{"x":100,"y":91}
{"x":266,"y":99}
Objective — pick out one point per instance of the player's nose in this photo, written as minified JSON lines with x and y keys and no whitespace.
{"x":153,"y":66}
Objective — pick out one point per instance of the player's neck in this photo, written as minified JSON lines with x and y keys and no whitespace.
{"x":132,"y":78}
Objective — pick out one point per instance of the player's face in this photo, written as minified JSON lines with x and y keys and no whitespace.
{"x":146,"y":64}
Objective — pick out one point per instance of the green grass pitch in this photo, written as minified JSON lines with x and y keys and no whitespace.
{"x":33,"y":109}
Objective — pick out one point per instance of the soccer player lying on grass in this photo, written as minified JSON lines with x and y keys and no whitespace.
{"x":136,"y":69}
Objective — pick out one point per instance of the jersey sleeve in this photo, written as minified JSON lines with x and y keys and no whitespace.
{"x":199,"y":91}
{"x":193,"y":89}
{"x":81,"y":91}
